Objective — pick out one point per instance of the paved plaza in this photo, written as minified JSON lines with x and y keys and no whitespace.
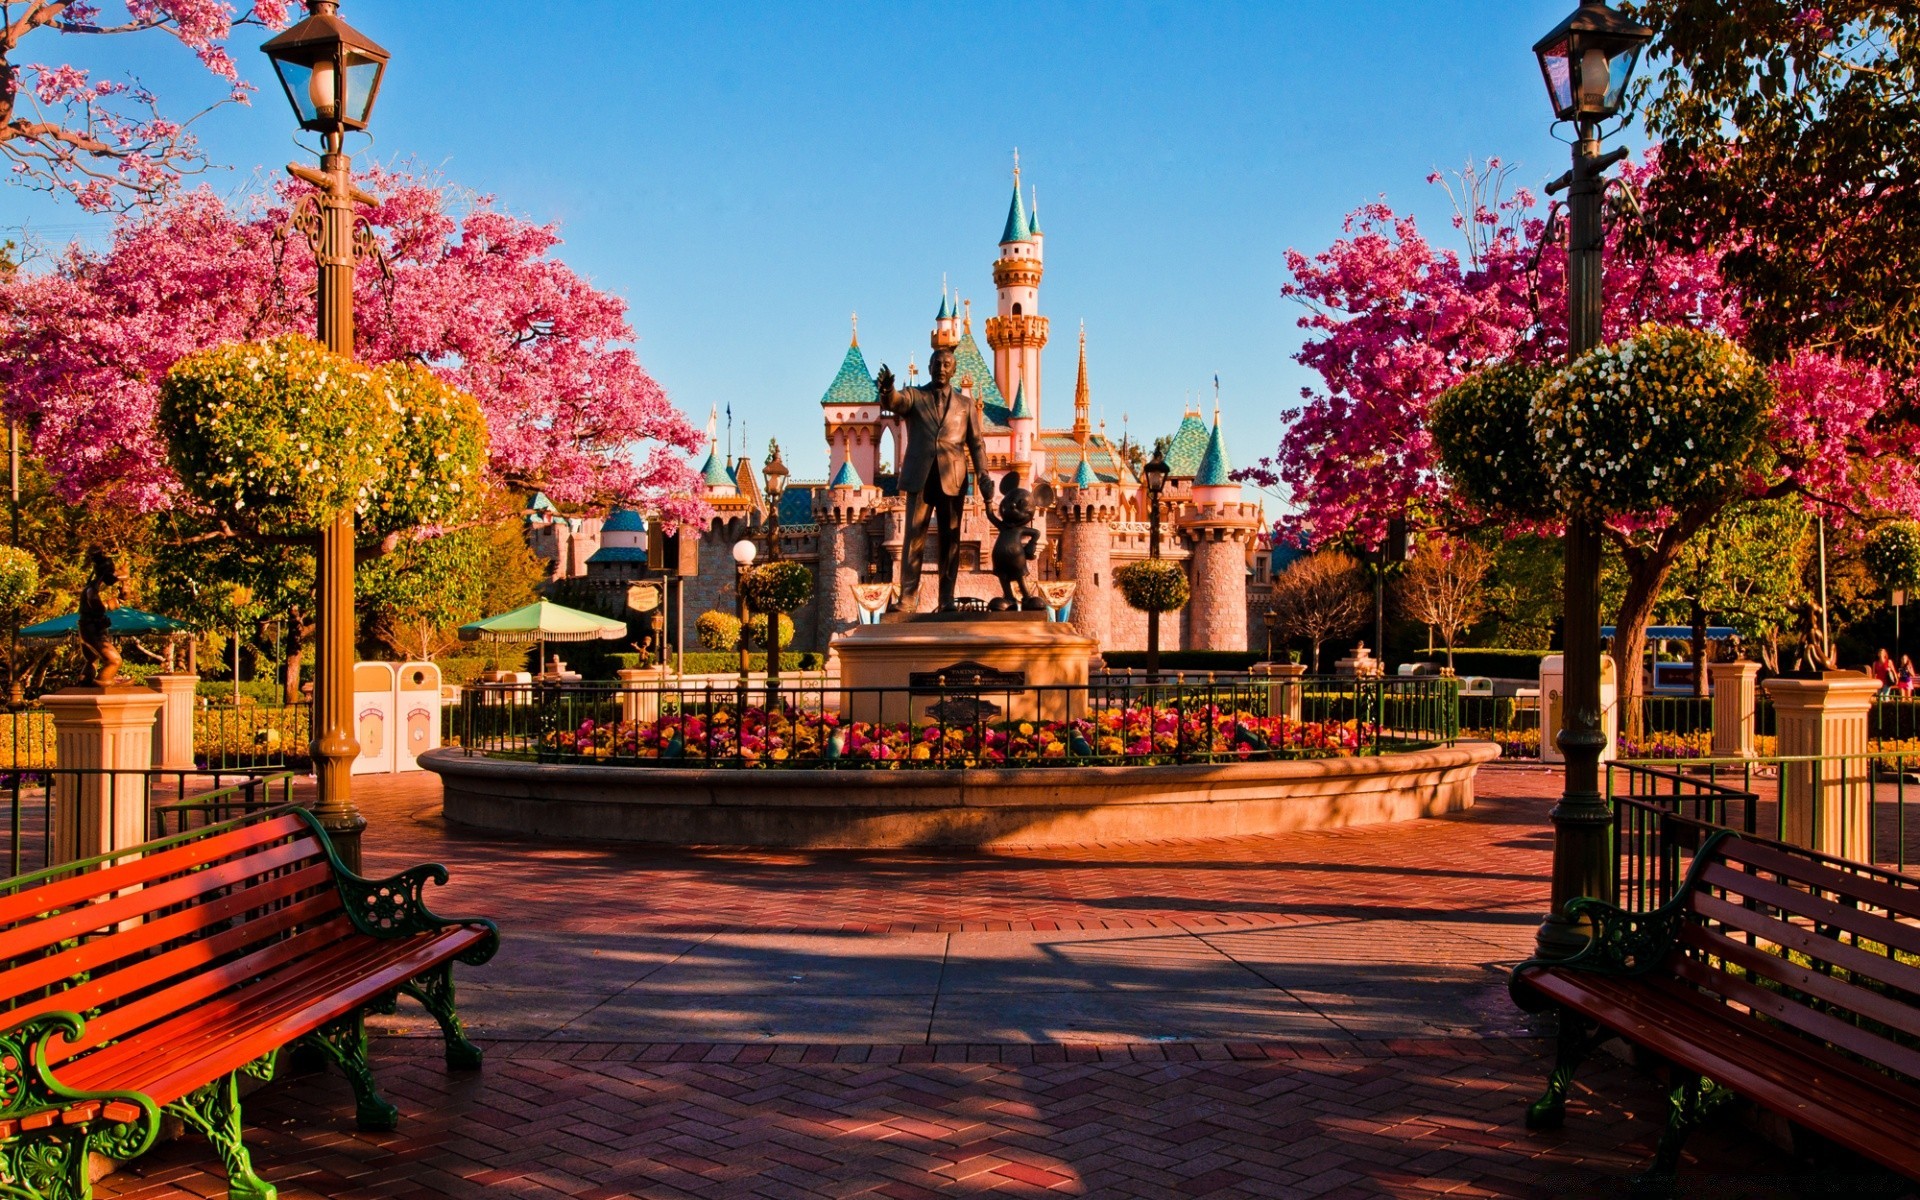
{"x":1316,"y":1014}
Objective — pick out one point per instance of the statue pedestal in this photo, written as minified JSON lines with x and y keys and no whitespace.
{"x":929,"y":667}
{"x":108,"y":734}
{"x":173,"y":745}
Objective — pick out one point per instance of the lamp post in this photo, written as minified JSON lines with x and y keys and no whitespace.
{"x":1587,"y":61}
{"x":744,"y":552}
{"x":775,"y":474}
{"x":1156,"y":472}
{"x":331,"y":73}
{"x":1272,"y":618}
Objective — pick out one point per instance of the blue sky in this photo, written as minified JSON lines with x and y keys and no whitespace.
{"x":747,"y":175}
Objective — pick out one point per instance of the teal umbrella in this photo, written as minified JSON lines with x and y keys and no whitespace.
{"x":120,"y":621}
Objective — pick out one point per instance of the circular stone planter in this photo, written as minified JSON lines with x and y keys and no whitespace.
{"x":856,"y":809}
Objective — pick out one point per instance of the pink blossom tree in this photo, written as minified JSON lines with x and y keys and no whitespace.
{"x":104,"y":142}
{"x":473,"y":293}
{"x":1396,"y":321}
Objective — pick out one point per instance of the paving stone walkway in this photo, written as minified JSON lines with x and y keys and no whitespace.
{"x":1317,"y":1014}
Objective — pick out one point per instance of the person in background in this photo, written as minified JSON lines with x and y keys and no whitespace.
{"x":1884,"y":670}
{"x":1906,"y":675}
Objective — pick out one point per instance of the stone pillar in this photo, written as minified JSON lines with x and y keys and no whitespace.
{"x":1827,"y":805}
{"x":173,"y":733}
{"x":639,"y":695}
{"x":1219,"y":535}
{"x":108,"y":730}
{"x":1733,"y":703}
{"x":1086,"y":556}
{"x":1284,"y":688}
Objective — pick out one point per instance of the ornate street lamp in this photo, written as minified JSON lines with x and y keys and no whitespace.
{"x":1156,"y":472}
{"x":331,"y":73}
{"x":1587,"y":61}
{"x":775,"y":474}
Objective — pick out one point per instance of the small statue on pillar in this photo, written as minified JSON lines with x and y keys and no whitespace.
{"x":1015,"y":547}
{"x":99,"y":656}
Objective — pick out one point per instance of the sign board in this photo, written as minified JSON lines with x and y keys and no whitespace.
{"x":677,"y":553}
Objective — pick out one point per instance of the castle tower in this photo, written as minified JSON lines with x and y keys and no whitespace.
{"x":1082,"y":400}
{"x":946,"y":322}
{"x":1021,"y":421}
{"x":840,"y":511}
{"x":851,"y":409}
{"x":1088,"y":508}
{"x":1018,"y":333}
{"x":1220,"y":530}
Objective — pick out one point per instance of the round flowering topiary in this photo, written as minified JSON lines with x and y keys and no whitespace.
{"x":717,"y":630}
{"x":280,"y":436}
{"x":1663,"y":419}
{"x":1480,"y":427}
{"x":757,"y":631}
{"x":1893,"y":555}
{"x":1153,"y":585}
{"x":777,"y":587}
{"x":439,"y":452}
{"x":19,"y":578}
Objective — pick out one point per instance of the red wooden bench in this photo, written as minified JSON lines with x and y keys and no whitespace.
{"x":1783,"y":976}
{"x":194,"y":962}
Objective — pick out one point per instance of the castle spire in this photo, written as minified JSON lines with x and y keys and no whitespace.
{"x":967,"y":325}
{"x":1017,"y":229}
{"x":1081,"y":431}
{"x":856,"y":329}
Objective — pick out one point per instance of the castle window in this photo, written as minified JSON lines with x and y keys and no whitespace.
{"x":1016,"y":310}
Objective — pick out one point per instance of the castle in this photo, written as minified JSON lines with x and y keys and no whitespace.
{"x":849,"y":528}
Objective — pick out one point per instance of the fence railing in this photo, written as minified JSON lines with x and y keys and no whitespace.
{"x":225,"y":737}
{"x":1858,"y":809}
{"x":156,"y":802}
{"x":954,"y":722}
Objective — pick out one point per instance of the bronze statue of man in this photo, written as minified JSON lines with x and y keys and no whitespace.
{"x":943,"y":439}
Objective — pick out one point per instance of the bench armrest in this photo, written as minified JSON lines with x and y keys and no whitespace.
{"x":396,"y":907}
{"x":28,"y":1088}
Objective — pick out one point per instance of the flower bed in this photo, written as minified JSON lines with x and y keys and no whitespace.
{"x":788,"y":738}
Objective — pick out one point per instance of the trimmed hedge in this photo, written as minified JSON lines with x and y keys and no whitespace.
{"x":1497,"y":664}
{"x":1186,"y":660}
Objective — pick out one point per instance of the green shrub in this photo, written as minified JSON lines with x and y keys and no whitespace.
{"x":1481,"y":428}
{"x":718,"y":630}
{"x":1893,"y":555}
{"x":1185,"y":660}
{"x":1153,"y":585}
{"x":19,"y":578}
{"x":757,"y":631}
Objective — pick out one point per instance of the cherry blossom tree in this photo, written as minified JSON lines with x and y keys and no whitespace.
{"x":104,"y":142}
{"x":473,"y":293}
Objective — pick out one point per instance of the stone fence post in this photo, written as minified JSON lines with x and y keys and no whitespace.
{"x":1827,"y":805}
{"x":108,"y":734}
{"x":173,"y":733}
{"x":1733,"y":705}
{"x":1283,"y":688}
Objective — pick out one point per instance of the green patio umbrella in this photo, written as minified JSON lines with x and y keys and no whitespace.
{"x":121,"y":621}
{"x":544,"y":621}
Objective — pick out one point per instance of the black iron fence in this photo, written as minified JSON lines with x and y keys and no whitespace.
{"x":1857,"y":809}
{"x":954,"y":722}
{"x":53,"y":810}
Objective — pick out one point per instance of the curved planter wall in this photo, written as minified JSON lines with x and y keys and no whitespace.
{"x":892,"y":809}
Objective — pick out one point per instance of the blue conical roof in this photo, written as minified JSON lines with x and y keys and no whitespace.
{"x":539,"y":503}
{"x":1084,"y":477}
{"x":946,"y":307}
{"x":623,"y":520}
{"x":854,"y":383}
{"x":1187,"y":447}
{"x":1214,"y":465}
{"x":846,"y":476}
{"x":1017,"y":228}
{"x":715,"y":473}
{"x":1020,"y":406}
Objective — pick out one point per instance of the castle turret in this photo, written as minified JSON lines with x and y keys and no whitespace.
{"x":1018,"y":333}
{"x":715,"y":475}
{"x":946,"y":322}
{"x":840,"y":511}
{"x":851,"y":409}
{"x":1220,"y":530}
{"x":1088,"y":508}
{"x":1021,"y":421}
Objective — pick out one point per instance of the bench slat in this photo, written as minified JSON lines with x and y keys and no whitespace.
{"x":133,"y":1015}
{"x":35,"y":902}
{"x":1841,"y":1100}
{"x":1826,"y":1026}
{"x":98,"y":952}
{"x":1819,"y":908}
{"x":1877,"y":892}
{"x":187,"y":960}
{"x":173,"y":1058}
{"x":84,"y":919}
{"x":1798,"y":937}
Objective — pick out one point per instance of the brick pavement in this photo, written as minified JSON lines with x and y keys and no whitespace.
{"x":1358,"y":936}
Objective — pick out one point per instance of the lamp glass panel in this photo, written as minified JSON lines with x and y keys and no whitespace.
{"x":363,"y":79}
{"x":1619,"y":74}
{"x":297,"y":78}
{"x":1556,"y":64}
